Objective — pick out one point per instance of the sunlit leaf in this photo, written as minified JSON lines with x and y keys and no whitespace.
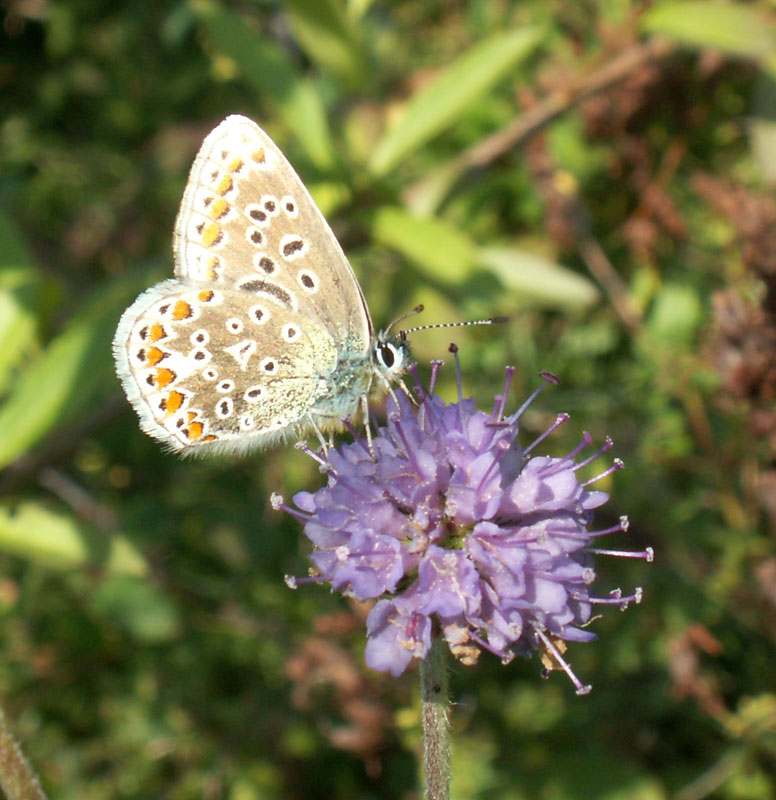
{"x":537,"y":278}
{"x":267,"y":68}
{"x":64,"y":380}
{"x":734,"y":28}
{"x":762,"y":126}
{"x":56,"y":540}
{"x":324,"y":32}
{"x":438,"y":250}
{"x":138,"y":606}
{"x":451,"y":94}
{"x":21,"y":293}
{"x":676,"y":315}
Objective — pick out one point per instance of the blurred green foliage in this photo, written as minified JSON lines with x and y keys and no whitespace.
{"x":603,"y":173}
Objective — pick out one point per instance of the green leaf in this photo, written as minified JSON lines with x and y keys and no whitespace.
{"x":59,"y":541}
{"x":137,"y":606}
{"x":21,"y":296}
{"x":762,"y":126}
{"x":676,"y":316}
{"x":323,"y":30}
{"x":267,"y":68}
{"x":63,"y":382}
{"x":538,"y":278}
{"x":439,"y":104}
{"x":738,"y":29}
{"x":439,"y":250}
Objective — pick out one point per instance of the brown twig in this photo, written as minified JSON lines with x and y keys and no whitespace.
{"x":17,"y":780}
{"x":619,"y":68}
{"x":610,"y":281}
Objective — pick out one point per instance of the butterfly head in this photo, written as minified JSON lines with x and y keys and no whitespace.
{"x":391,"y":354}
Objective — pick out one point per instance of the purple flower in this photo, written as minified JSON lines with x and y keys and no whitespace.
{"x":457,"y":529}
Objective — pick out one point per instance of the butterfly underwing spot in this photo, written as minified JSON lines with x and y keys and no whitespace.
{"x":258,"y":314}
{"x":225,"y":386}
{"x":200,"y":337}
{"x":182,"y":310}
{"x":247,"y":423}
{"x":255,"y":236}
{"x":209,"y":374}
{"x":153,"y":356}
{"x":155,"y":332}
{"x":259,"y":156}
{"x":270,"y":204}
{"x":292,"y":246}
{"x":289,"y":206}
{"x":224,"y":408}
{"x":309,"y":281}
{"x":161,"y":378}
{"x":212,"y":205}
{"x":242,"y":352}
{"x":213,"y":268}
{"x":219,"y":208}
{"x":265,"y":263}
{"x":209,"y":296}
{"x":257,"y":214}
{"x":234,"y":325}
{"x":224,"y":185}
{"x":194,"y":431}
{"x":268,"y":365}
{"x":211,"y":234}
{"x":200,"y":356}
{"x":291,"y":332}
{"x":253,"y":394}
{"x":259,"y":286}
{"x":172,"y":402}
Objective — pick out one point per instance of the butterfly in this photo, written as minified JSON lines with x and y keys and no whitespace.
{"x":263,"y":333}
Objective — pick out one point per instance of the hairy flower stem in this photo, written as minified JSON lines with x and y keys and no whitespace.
{"x":436,"y":721}
{"x":17,"y":780}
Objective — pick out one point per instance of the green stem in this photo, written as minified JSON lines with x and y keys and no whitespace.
{"x":17,"y":780}
{"x":436,"y":721}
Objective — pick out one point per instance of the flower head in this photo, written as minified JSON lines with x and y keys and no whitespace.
{"x":454,"y":527}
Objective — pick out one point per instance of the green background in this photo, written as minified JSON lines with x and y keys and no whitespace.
{"x":600,"y":172}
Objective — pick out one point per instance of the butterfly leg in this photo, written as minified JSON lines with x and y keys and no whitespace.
{"x":389,"y":389}
{"x":325,"y":445}
{"x":367,"y":428}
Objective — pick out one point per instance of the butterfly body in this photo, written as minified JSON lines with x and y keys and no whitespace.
{"x":263,"y":334}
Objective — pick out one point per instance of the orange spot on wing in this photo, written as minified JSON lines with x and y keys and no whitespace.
{"x":154,"y":355}
{"x":164,"y":377}
{"x":235,"y":165}
{"x":181,"y":310}
{"x":205,"y":296}
{"x":209,"y":438}
{"x":157,"y":332}
{"x":211,"y":234}
{"x":258,"y":155}
{"x":224,"y":185}
{"x":195,"y":430}
{"x":212,"y":272}
{"x":173,"y":402}
{"x":220,"y":207}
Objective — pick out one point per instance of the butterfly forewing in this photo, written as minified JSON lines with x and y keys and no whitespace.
{"x":263,"y":333}
{"x":246,"y":219}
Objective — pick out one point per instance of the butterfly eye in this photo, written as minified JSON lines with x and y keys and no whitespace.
{"x":388,"y":355}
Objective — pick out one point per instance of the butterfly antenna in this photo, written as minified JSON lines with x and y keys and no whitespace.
{"x":417,"y":310}
{"x":489,"y":321}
